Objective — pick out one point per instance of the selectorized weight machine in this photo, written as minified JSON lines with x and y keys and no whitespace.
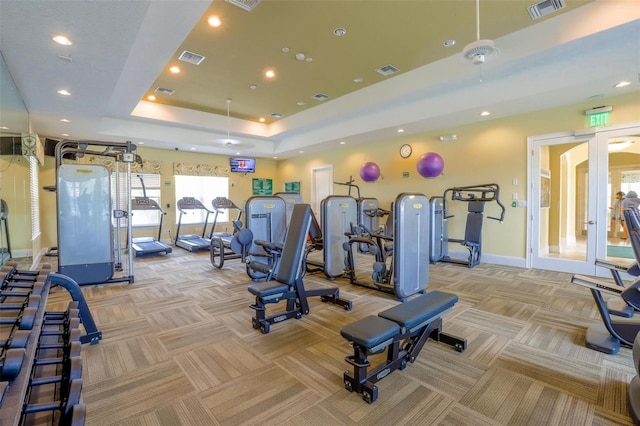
{"x":475,"y":196}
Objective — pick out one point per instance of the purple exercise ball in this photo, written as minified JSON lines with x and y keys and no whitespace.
{"x":370,"y":172}
{"x":430,"y":165}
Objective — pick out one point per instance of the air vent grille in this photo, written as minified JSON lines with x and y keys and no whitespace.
{"x":387,"y":70}
{"x":192,"y":58}
{"x":275,"y":115}
{"x":544,"y":8}
{"x":164,"y":91}
{"x":247,"y":5}
{"x":320,"y":97}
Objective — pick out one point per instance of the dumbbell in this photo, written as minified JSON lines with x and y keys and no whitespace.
{"x":68,"y":351}
{"x":65,"y":404}
{"x":24,"y":319}
{"x":33,"y":301}
{"x":74,"y":417}
{"x":11,"y":363}
{"x":17,"y":339}
{"x":71,"y":370}
{"x":53,"y":316}
{"x":16,"y":289}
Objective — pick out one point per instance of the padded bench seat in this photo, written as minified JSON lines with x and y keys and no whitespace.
{"x":403,"y":329}
{"x":420,"y":309}
{"x":267,"y":289}
{"x":370,"y":331}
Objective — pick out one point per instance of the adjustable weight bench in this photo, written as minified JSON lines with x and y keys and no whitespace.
{"x":288,"y":285}
{"x":403,"y":330}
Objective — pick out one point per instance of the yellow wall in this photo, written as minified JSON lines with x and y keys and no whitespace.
{"x":493,"y":151}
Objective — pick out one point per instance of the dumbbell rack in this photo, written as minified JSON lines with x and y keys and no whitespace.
{"x":47,"y":382}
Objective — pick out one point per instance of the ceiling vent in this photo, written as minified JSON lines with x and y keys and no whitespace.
{"x":192,"y":58}
{"x":320,"y":97}
{"x":544,"y":8}
{"x":164,"y":91}
{"x":247,"y":5}
{"x":275,"y":115}
{"x":387,"y":70}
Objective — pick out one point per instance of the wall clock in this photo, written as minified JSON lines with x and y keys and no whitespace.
{"x":405,"y":150}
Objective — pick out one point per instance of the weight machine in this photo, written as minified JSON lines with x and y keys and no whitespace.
{"x":475,"y":196}
{"x":90,"y":220}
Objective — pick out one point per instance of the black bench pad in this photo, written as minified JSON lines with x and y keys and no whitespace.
{"x":268,"y":288}
{"x":370,"y":331}
{"x":420,"y":309}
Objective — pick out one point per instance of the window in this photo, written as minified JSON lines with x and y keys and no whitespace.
{"x":205,"y":189}
{"x":151,"y":181}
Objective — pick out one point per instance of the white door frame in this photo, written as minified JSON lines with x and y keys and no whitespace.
{"x":597,"y":209}
{"x":321,"y":186}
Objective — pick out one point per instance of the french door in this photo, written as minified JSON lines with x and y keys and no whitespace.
{"x":573,"y":181}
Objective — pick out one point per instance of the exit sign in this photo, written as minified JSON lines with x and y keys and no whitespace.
{"x":599,"y":119}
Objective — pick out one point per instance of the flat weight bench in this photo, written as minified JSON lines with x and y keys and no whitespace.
{"x":403,"y":329}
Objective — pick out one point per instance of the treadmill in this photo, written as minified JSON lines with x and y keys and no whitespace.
{"x":148,"y":245}
{"x":192,"y":242}
{"x":219,"y":204}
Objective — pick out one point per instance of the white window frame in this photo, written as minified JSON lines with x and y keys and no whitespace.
{"x":205,"y":189}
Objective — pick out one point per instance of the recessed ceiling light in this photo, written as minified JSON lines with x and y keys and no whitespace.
{"x":301,"y":152}
{"x":342,"y":142}
{"x":63,"y":40}
{"x":262,"y":120}
{"x":339,"y":32}
{"x":174,"y":70}
{"x":300,"y":103}
{"x":449,"y":43}
{"x":238,"y":153}
{"x":64,"y":120}
{"x":400,"y":130}
{"x":275,"y":158}
{"x":300,"y":56}
{"x":253,"y":87}
{"x":622,"y":84}
{"x":193,"y":148}
{"x":485,"y":113}
{"x":285,"y":49}
{"x":270,"y":73}
{"x":358,"y":80}
{"x":64,"y":134}
{"x":141,"y":143}
{"x":4,"y":128}
{"x":214,"y":21}
{"x":309,"y":59}
{"x":64,"y":92}
{"x":151,"y":98}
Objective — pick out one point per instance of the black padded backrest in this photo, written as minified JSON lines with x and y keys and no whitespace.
{"x":632,"y":219}
{"x":294,"y":244}
{"x":4,"y":209}
{"x":473,"y":230}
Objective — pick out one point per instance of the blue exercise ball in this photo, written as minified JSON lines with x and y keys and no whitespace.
{"x":370,"y":172}
{"x":430,"y":165}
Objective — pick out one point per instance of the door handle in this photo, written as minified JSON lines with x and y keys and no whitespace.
{"x":591,"y":222}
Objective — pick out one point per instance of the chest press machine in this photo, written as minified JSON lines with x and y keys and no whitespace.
{"x":288,"y":285}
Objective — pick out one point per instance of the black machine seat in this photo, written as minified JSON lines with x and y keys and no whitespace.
{"x":404,"y":329}
{"x":473,"y":232}
{"x":289,"y":285}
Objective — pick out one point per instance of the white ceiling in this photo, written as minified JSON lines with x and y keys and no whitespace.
{"x":120,"y":48}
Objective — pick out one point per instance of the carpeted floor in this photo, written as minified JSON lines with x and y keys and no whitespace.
{"x":179,"y":349}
